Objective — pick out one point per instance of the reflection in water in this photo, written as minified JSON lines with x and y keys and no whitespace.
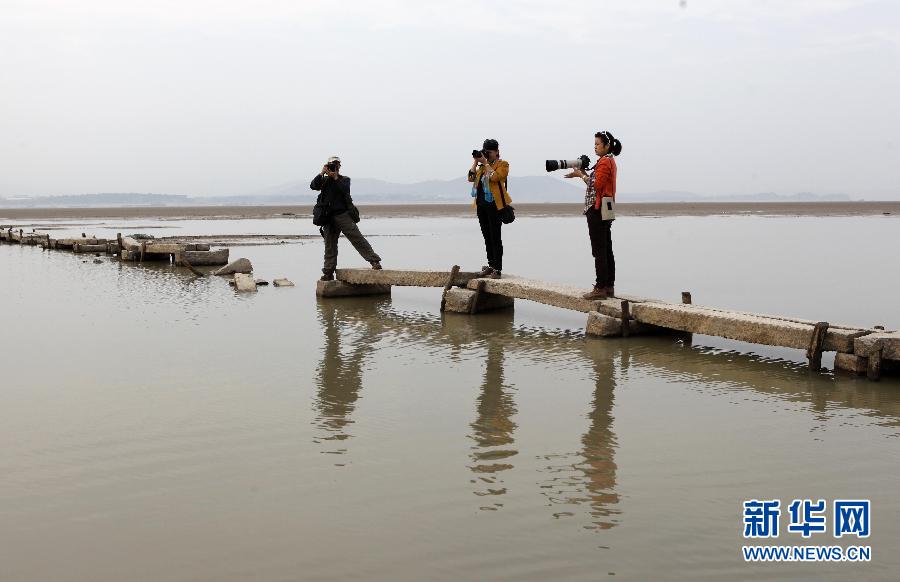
{"x":493,"y":427}
{"x":349,"y":337}
{"x":589,"y":475}
{"x":586,"y":477}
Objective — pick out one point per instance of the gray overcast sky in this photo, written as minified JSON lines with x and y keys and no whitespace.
{"x":225,"y":97}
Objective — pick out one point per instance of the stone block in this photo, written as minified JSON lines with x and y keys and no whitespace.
{"x":341,"y":289}
{"x":244,"y":283}
{"x":851,"y":363}
{"x":603,"y":325}
{"x":283,"y":283}
{"x":460,"y":301}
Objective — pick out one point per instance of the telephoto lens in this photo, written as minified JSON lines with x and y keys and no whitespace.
{"x":582,"y":162}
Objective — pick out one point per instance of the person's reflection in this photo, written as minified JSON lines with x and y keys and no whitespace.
{"x":493,"y":428}
{"x":599,"y":445}
{"x":589,"y":475}
{"x":351,"y":325}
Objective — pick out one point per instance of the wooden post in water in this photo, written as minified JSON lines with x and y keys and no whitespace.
{"x":874,"y":370}
{"x":816,"y":341}
{"x":687,"y":337}
{"x":626,"y":315}
{"x":453,"y":272}
{"x":479,"y":287}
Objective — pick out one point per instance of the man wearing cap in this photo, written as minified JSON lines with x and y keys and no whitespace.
{"x":335,"y":193}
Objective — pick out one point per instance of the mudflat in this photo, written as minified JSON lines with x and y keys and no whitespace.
{"x":439,"y":210}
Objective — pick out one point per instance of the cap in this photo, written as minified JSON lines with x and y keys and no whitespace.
{"x":491,"y":144}
{"x":334,"y":159}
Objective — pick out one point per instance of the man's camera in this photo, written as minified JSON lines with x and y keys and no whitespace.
{"x":581,"y":163}
{"x":333,"y":166}
{"x":478,"y":153}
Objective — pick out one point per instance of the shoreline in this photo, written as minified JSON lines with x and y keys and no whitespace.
{"x":646,"y":209}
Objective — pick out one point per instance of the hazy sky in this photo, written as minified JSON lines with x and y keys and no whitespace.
{"x":225,"y":97}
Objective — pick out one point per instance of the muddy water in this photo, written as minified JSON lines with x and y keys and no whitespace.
{"x":158,"y":427}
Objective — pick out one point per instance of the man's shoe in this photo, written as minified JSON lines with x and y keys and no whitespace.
{"x":376,"y":266}
{"x":596,"y":294}
{"x":486,"y":271}
{"x":495,"y":274}
{"x":327,"y":277}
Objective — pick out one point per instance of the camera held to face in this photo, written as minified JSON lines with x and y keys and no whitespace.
{"x":333,"y":166}
{"x":581,"y":163}
{"x":478,"y":154}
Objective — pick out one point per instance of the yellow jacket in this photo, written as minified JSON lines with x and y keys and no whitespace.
{"x":500,"y":175}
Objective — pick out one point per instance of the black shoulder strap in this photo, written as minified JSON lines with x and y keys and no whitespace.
{"x":502,"y":196}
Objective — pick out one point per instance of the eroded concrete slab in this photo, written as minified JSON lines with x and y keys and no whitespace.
{"x":890,"y":344}
{"x":732,"y":325}
{"x":401,"y":278}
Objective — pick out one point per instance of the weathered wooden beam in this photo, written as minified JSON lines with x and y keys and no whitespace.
{"x":479,"y":289}
{"x":875,"y":353}
{"x":454,"y":271}
{"x":626,"y":317}
{"x":816,"y":342}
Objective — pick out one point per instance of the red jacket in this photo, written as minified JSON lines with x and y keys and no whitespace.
{"x":605,"y":179}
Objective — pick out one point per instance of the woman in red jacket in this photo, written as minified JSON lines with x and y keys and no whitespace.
{"x":601,"y":183}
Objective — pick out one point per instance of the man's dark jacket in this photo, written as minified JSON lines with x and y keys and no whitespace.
{"x":335,"y":193}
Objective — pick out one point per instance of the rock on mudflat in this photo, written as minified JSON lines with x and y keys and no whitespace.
{"x":239,"y":266}
{"x":282,"y":283}
{"x":261,"y":282}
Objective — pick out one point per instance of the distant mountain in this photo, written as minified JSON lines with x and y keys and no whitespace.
{"x":372,"y":191}
{"x":522,"y":189}
{"x":675,"y":196}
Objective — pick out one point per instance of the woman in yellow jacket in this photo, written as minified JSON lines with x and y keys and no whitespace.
{"x":488,"y":175}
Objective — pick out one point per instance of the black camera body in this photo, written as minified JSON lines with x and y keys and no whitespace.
{"x":333,"y":166}
{"x":582,"y":163}
{"x":478,"y":153}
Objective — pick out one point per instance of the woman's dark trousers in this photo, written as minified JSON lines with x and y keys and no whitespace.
{"x":600,"y":232}
{"x":489,"y":219}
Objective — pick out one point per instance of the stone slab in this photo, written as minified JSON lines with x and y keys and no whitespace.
{"x":838,"y":338}
{"x":342,"y":289}
{"x":460,"y":301}
{"x":244,"y":283}
{"x":563,"y":296}
{"x":282,"y":283}
{"x":890,"y":344}
{"x":731,"y":325}
{"x":401,"y":278}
